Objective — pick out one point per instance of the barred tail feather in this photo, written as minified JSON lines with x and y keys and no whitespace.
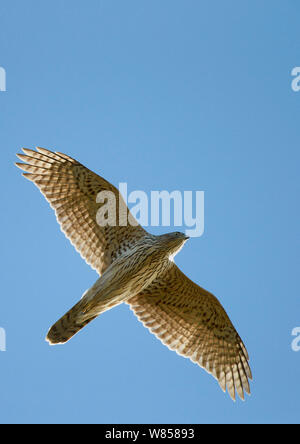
{"x":67,"y":326}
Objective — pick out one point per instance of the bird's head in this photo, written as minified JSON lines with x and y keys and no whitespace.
{"x":173,"y":242}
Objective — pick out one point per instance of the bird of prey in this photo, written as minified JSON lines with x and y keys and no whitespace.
{"x":136,"y":268}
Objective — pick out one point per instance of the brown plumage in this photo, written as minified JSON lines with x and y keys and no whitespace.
{"x":135,"y":268}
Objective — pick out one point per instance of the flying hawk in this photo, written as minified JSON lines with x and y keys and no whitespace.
{"x":135,"y":267}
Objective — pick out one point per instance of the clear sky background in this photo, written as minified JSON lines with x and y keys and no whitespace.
{"x":172,"y":95}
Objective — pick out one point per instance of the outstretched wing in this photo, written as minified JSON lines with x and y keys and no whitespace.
{"x":72,"y":189}
{"x":191,"y":321}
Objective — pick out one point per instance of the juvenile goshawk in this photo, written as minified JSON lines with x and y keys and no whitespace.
{"x":136,"y":268}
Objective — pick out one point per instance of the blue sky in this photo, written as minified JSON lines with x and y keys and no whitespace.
{"x":166,"y":95}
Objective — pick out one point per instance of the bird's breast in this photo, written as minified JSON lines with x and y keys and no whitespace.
{"x":134,"y":272}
